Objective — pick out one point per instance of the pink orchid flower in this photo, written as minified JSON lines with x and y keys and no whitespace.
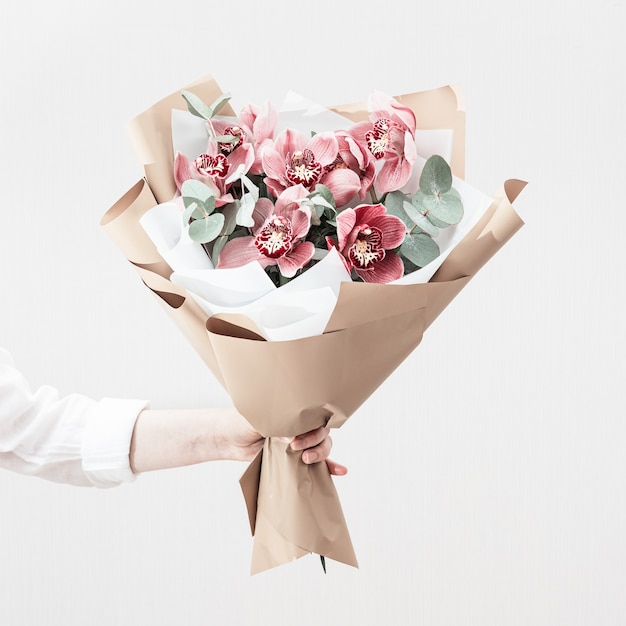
{"x":390,"y":138}
{"x":263,"y":122}
{"x":367,"y":237}
{"x":220,"y":161}
{"x":294,"y":160}
{"x":277,"y":235}
{"x":357,"y":159}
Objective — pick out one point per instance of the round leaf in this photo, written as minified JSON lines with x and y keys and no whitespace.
{"x":394,"y":203}
{"x":436,"y":177}
{"x":189,"y":210}
{"x":420,"y":220}
{"x":420,"y":249}
{"x":448,"y":207}
{"x":207,"y":229}
{"x":196,"y":190}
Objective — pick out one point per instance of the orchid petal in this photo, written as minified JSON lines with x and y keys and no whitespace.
{"x":263,"y":210}
{"x":369,"y":213}
{"x":296,"y":259}
{"x":265,"y":123}
{"x":358,"y":132}
{"x":182,"y":169}
{"x":301,"y":222}
{"x":273,"y":164}
{"x":325,"y":148}
{"x":390,"y":268}
{"x":392,"y":228}
{"x":290,"y":196}
{"x":393,"y":174}
{"x":289,"y":141}
{"x":343,"y":183}
{"x":410,"y":148}
{"x":259,"y":149}
{"x":351,"y":152}
{"x":237,"y":252}
{"x":345,"y":225}
{"x":219,"y":200}
{"x":242,"y":155}
{"x":276,"y":187}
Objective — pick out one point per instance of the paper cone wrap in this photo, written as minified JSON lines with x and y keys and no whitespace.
{"x":284,"y":388}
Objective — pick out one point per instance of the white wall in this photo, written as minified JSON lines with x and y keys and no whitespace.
{"x":487,"y":481}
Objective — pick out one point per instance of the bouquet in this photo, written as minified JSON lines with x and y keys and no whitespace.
{"x":304,"y":251}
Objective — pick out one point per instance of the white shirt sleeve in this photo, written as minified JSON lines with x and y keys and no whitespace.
{"x":73,"y":439}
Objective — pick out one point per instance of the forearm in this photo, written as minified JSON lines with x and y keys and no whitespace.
{"x":176,"y":438}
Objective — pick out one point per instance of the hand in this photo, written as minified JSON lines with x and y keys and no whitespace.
{"x":245,"y":443}
{"x":316,"y":445}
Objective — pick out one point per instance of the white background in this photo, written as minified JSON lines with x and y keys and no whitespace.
{"x":487,"y":480}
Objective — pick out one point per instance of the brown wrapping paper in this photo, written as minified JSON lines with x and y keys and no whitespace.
{"x":286,"y":388}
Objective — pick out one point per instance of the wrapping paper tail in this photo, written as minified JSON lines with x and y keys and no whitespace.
{"x":499,"y":223}
{"x":294,"y":510}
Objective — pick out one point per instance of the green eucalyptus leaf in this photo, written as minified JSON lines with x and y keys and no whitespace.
{"x":435,"y":222}
{"x":320,"y":202}
{"x":196,"y":210}
{"x":195,"y":192}
{"x":408,"y":266}
{"x":220,"y":242}
{"x":436,"y":177}
{"x":420,"y":249}
{"x":326,"y":193}
{"x":394,"y":203}
{"x":330,"y":213}
{"x":317,"y":210}
{"x":420,"y":219}
{"x":447,"y":208}
{"x":245,"y":208}
{"x":226,"y":138}
{"x":195,"y":189}
{"x":189,"y":210}
{"x":218,"y":104}
{"x":197,"y":106}
{"x":207,"y":229}
{"x":230,"y":219}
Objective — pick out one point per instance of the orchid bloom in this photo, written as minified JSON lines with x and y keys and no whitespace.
{"x":263,"y":122}
{"x":357,"y":159}
{"x":367,"y":237}
{"x":390,"y":138}
{"x":294,"y":160}
{"x":220,"y":161}
{"x":277,"y":235}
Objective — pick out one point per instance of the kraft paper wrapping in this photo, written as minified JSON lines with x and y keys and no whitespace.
{"x":285,"y":388}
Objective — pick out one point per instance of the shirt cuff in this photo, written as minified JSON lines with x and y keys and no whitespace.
{"x":106,"y":441}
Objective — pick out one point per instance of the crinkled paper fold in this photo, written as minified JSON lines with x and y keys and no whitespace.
{"x":285,"y":388}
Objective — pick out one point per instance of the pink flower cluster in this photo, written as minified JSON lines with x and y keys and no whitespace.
{"x":358,"y":166}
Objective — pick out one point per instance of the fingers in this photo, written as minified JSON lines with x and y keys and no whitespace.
{"x":313,"y":439}
{"x":335,"y":468}
{"x":316,"y":446}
